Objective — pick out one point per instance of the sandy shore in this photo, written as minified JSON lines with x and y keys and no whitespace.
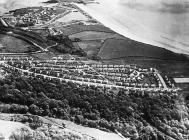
{"x":133,"y":30}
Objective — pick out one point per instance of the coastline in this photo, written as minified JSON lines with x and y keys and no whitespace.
{"x":67,"y":87}
{"x":124,"y":31}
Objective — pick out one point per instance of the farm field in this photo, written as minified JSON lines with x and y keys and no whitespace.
{"x":90,"y":47}
{"x":88,"y":44}
{"x":92,"y":35}
{"x":92,"y":41}
{"x":13,"y":45}
{"x":117,"y":48}
{"x":77,"y":28}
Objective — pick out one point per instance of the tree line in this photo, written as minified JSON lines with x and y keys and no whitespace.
{"x":135,"y":116}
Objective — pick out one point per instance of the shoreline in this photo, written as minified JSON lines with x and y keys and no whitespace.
{"x":120,"y":29}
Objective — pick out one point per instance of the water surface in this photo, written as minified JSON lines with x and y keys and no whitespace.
{"x":163,"y":23}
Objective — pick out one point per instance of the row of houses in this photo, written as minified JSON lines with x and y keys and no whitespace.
{"x":87,"y":73}
{"x":73,"y":70}
{"x":105,"y":84}
{"x":16,"y":58}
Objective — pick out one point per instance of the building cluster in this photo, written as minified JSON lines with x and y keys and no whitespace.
{"x":16,"y":58}
{"x":65,"y":69}
{"x":102,"y":76}
{"x":132,"y":76}
{"x":31,"y":16}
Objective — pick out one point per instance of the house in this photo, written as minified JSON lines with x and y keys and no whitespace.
{"x":118,"y":74}
{"x":116,"y":66}
{"x":100,"y":86}
{"x":86,"y":79}
{"x":98,"y":81}
{"x":146,"y":85}
{"x":80,"y":79}
{"x":153,"y":85}
{"x":104,"y":82}
{"x":111,"y":66}
{"x":119,"y":83}
{"x":39,"y":76}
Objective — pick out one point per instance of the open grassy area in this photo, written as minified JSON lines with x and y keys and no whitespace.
{"x":90,"y":47}
{"x":93,"y":35}
{"x":116,"y":48}
{"x":92,"y":41}
{"x":111,"y":46}
{"x":11,"y":44}
{"x":76,"y":28}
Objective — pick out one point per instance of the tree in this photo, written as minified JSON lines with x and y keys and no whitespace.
{"x":79,"y":119}
{"x":46,"y":112}
{"x":34,"y":109}
{"x":23,"y":109}
{"x":14,"y":108}
{"x":92,"y":124}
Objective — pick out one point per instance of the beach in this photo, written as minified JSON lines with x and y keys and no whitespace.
{"x":162,"y":27}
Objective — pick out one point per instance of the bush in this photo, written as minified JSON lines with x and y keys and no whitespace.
{"x":92,"y":124}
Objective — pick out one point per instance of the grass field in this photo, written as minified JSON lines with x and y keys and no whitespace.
{"x":116,"y":48}
{"x":13,"y":45}
{"x":87,"y":44}
{"x":92,"y":35}
{"x":76,"y":28}
{"x":73,"y":16}
{"x":90,"y":47}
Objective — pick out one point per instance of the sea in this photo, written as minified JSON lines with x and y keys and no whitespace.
{"x":163,"y":23}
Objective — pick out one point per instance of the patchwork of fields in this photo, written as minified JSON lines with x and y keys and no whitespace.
{"x":60,"y":62}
